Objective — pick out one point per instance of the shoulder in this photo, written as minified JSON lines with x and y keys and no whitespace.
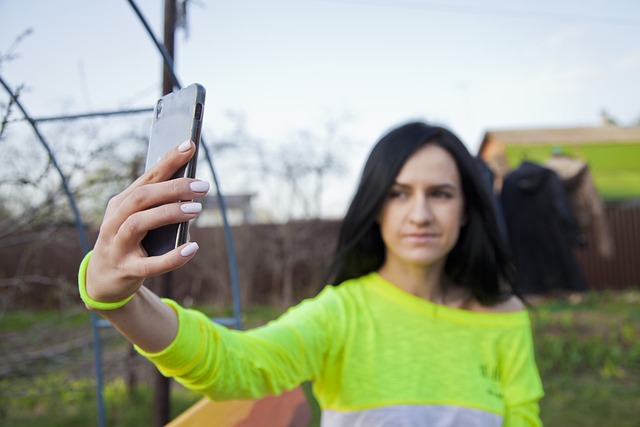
{"x":510,"y":305}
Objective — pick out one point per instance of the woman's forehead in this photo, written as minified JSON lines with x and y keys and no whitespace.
{"x":430,"y":162}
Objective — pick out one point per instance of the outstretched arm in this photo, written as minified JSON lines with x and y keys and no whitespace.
{"x":118,"y":265}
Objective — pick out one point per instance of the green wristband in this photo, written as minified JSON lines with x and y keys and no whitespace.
{"x":82,"y":286}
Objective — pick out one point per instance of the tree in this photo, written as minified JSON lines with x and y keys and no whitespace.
{"x":299,"y":170}
{"x":295,"y":173}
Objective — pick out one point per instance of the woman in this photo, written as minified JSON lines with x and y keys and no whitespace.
{"x":419,"y":327}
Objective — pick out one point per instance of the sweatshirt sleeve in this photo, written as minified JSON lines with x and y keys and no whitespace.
{"x":522,"y":383}
{"x":227,"y":364}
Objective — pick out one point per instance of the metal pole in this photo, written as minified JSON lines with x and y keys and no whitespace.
{"x":231,"y":252}
{"x":84,"y":245}
{"x":162,"y":394}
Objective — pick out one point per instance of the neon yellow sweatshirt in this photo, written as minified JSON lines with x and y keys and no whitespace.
{"x":377,"y":356}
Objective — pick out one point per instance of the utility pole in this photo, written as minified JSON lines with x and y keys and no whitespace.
{"x":169,"y":38}
{"x":162,"y":399}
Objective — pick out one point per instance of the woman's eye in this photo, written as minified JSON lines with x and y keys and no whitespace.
{"x":442,"y":195}
{"x":395,"y":194}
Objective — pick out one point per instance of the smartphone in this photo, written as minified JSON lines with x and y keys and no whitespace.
{"x":177,"y":117}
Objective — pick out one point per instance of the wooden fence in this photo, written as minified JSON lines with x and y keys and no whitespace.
{"x":39,"y":269}
{"x":623,"y":270}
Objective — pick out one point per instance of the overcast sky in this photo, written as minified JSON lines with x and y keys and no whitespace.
{"x":472,"y":65}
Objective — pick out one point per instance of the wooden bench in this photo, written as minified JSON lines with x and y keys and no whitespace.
{"x":289,"y":409}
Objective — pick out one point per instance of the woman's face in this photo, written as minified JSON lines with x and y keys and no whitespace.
{"x":420,"y":220}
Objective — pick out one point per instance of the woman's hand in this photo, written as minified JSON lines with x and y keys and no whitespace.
{"x":119,"y":264}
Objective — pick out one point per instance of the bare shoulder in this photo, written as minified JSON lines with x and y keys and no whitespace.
{"x":510,"y":305}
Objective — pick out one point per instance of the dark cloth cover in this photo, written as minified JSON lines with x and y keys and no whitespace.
{"x":488,"y":178}
{"x":542,"y":230}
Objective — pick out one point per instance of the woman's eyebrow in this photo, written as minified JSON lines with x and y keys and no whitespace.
{"x":442,"y":185}
{"x":399,"y":184}
{"x":446,"y":185}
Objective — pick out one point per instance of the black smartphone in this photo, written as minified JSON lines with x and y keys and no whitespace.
{"x":177,"y":117}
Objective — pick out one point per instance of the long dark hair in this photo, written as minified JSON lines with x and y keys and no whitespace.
{"x":479,"y":261}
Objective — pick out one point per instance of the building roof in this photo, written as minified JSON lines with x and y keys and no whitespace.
{"x":576,"y":135}
{"x":612,"y":152}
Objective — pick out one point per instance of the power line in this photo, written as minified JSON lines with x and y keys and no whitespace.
{"x":85,"y":115}
{"x":492,"y":11}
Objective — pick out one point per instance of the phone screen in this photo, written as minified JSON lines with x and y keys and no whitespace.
{"x":177,"y":117}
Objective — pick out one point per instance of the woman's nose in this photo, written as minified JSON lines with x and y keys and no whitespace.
{"x":421,"y":211}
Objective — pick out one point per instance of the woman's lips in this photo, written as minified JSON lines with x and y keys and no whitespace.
{"x":421,"y":237}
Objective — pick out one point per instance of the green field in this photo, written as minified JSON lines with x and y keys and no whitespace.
{"x":588,"y":354}
{"x":615,"y":168}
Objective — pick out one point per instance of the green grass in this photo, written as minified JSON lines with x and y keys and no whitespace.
{"x":25,"y":319}
{"x":75,"y":406}
{"x":590,"y":400}
{"x":589,"y":359}
{"x":588,"y":354}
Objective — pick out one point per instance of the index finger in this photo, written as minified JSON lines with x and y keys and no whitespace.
{"x":173,"y":160}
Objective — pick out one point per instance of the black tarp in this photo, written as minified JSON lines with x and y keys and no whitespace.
{"x":542,"y":230}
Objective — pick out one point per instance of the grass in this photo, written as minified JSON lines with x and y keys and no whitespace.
{"x":588,"y":400}
{"x":76,"y":406}
{"x":589,"y":359}
{"x":588,"y":354}
{"x":25,"y":320}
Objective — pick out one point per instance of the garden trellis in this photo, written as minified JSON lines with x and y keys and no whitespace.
{"x":97,"y":323}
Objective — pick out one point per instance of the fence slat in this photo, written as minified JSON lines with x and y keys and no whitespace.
{"x":623,"y":270}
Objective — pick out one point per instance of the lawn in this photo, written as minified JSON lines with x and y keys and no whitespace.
{"x":588,"y":354}
{"x":589,"y":359}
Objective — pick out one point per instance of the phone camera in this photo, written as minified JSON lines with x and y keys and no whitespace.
{"x":158,"y":109}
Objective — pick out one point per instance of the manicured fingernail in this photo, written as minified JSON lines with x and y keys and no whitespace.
{"x":199,"y":186}
{"x":191,"y":207}
{"x":185,"y":146}
{"x":190,"y":249}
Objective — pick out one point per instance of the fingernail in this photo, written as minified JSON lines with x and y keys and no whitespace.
{"x":199,"y":186}
{"x":191,"y":207}
{"x":185,"y":146}
{"x":190,"y":249}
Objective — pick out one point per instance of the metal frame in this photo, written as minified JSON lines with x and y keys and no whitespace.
{"x":96,"y":322}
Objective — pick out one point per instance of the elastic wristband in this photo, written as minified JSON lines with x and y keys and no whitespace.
{"x":82,"y":286}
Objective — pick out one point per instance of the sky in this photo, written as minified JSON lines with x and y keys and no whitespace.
{"x":471,"y":65}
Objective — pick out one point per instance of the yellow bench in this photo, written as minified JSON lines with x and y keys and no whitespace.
{"x":289,"y":409}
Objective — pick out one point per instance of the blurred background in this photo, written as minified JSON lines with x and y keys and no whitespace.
{"x":297,"y":93}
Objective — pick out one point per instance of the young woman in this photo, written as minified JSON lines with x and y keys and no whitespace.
{"x":419,"y":325}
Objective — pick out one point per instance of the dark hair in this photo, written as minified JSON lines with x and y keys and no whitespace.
{"x":479,"y":261}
